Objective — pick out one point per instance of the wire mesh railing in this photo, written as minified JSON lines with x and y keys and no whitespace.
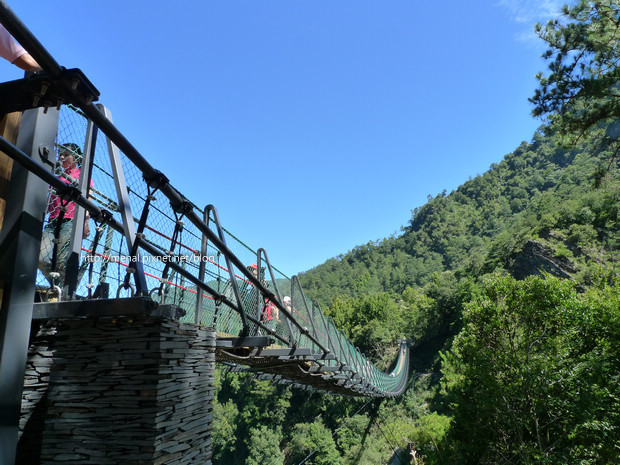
{"x":230,"y":301}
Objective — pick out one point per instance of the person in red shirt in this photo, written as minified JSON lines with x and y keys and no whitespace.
{"x":60,"y":220}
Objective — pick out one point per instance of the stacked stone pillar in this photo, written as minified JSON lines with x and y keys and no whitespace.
{"x":118,"y":391}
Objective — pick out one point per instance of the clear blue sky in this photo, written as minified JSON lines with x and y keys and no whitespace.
{"x":313,"y":126}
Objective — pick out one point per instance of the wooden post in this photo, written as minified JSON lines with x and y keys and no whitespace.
{"x":9,"y":128}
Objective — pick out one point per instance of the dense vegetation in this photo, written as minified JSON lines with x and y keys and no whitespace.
{"x":507,"y":290}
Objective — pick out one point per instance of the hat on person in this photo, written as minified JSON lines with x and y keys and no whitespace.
{"x":253,"y":265}
{"x":287,"y":299}
{"x":71,"y":147}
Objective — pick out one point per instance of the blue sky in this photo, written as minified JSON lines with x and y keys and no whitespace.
{"x":313,"y":126}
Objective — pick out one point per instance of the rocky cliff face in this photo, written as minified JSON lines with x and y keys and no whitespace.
{"x":536,"y":258}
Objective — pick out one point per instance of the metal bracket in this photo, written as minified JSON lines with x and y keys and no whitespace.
{"x":183,"y":207}
{"x":156,"y":181}
{"x":251,"y":341}
{"x":41,"y":90}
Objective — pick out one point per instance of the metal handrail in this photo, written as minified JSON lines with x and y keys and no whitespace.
{"x":259,"y":254}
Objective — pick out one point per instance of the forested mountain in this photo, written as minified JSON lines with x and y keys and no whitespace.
{"x":565,"y":198}
{"x":480,"y":263}
{"x":507,"y":289}
{"x":451,"y":273}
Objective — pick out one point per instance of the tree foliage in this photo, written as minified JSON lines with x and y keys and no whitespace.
{"x":534,"y":375}
{"x":313,"y":442}
{"x":580,"y":95}
{"x":264,"y":447}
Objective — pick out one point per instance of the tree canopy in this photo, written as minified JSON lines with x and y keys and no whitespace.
{"x":533,"y":376}
{"x":580,"y":94}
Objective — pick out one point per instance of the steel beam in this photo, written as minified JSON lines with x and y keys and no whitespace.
{"x":77,"y":228}
{"x":248,"y":341}
{"x":20,"y":243}
{"x":124,"y":207}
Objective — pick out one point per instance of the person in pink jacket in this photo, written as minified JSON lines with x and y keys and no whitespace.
{"x":15,"y":53}
{"x":57,"y":231}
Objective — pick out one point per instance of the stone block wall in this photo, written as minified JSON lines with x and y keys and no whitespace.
{"x":118,"y":391}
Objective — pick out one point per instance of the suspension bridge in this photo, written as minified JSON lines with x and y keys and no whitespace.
{"x":92,"y":228}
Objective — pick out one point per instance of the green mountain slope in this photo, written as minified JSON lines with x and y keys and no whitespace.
{"x":497,"y":362}
{"x":538,"y":191}
{"x":507,"y":289}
